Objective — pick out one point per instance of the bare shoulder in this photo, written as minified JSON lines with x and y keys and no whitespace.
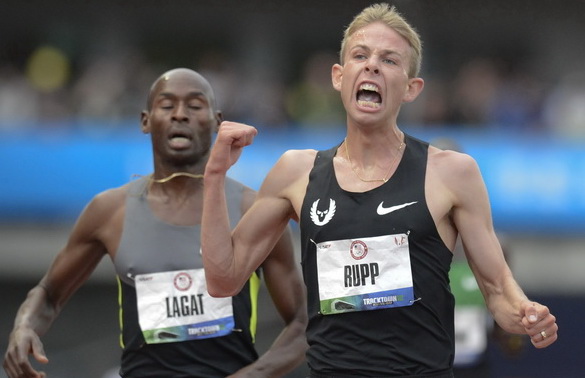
{"x":298,"y":159}
{"x":287,"y":180}
{"x":106,"y":204}
{"x":292,"y":166}
{"x":454,"y":174}
{"x":451,"y":164}
{"x":99,"y":226}
{"x":110,"y":198}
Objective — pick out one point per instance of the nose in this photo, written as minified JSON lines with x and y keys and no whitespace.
{"x":372,"y":66}
{"x":180,"y":112}
{"x":372,"y":69}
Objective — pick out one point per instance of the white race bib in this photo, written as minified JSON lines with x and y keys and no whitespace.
{"x":175,"y":306}
{"x":364,"y":274}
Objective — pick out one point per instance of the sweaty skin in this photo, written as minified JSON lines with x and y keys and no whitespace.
{"x":181,"y":119}
{"x":375,"y":56}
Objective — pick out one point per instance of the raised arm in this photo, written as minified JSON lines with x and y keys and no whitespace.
{"x":510,"y":307}
{"x":229,"y":260}
{"x":69,"y":270}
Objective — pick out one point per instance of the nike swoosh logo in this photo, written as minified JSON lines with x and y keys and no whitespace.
{"x":387,"y":210}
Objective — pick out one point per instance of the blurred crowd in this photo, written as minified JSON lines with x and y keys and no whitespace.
{"x":107,"y":89}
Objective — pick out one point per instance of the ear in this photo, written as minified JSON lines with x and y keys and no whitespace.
{"x":336,"y":75}
{"x":144,"y":124}
{"x":218,"y":119}
{"x":415,"y":87}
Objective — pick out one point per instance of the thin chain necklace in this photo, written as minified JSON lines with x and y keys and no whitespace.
{"x":152,"y":180}
{"x":176,"y":174}
{"x":383,"y":179}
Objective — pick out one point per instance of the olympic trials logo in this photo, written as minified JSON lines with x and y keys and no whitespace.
{"x":358,"y":249}
{"x":183,"y":281}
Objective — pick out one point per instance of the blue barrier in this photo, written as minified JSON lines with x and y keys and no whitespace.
{"x":535,"y":184}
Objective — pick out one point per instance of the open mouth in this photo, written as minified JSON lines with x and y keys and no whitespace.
{"x":368,"y":96}
{"x":179,"y":140}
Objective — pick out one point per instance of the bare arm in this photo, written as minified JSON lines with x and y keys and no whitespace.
{"x":216,"y":241}
{"x":511,"y":309}
{"x":229,"y":258}
{"x":69,"y":270}
{"x":286,"y":289}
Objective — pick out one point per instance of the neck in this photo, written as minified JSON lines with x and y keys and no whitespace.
{"x":176,"y":183}
{"x":176,"y":174}
{"x":368,"y":175}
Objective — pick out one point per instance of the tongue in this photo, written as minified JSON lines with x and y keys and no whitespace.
{"x":179,"y":142}
{"x":369,"y":96}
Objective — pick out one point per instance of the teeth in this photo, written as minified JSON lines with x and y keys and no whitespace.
{"x":368,"y":104}
{"x":369,"y":87}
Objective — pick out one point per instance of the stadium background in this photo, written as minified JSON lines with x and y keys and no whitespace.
{"x":504,"y":80}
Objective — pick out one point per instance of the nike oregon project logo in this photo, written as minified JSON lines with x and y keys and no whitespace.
{"x":322,"y":217}
{"x":387,"y":210}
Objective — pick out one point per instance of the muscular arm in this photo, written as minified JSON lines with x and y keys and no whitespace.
{"x":471,"y":214}
{"x":216,"y":242}
{"x":286,"y":289}
{"x":287,"y":292}
{"x":68,"y":271}
{"x":230,"y":257}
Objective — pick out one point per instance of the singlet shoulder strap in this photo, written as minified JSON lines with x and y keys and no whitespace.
{"x":138,"y":187}
{"x":324,"y":158}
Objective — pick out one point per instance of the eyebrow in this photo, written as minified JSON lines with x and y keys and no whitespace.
{"x":385,"y":51}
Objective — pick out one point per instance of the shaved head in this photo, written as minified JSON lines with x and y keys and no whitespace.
{"x":184,"y":74}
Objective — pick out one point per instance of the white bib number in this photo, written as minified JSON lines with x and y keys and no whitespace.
{"x":175,"y":306}
{"x":364,"y":274}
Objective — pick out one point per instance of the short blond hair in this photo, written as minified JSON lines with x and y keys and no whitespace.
{"x":390,"y":17}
